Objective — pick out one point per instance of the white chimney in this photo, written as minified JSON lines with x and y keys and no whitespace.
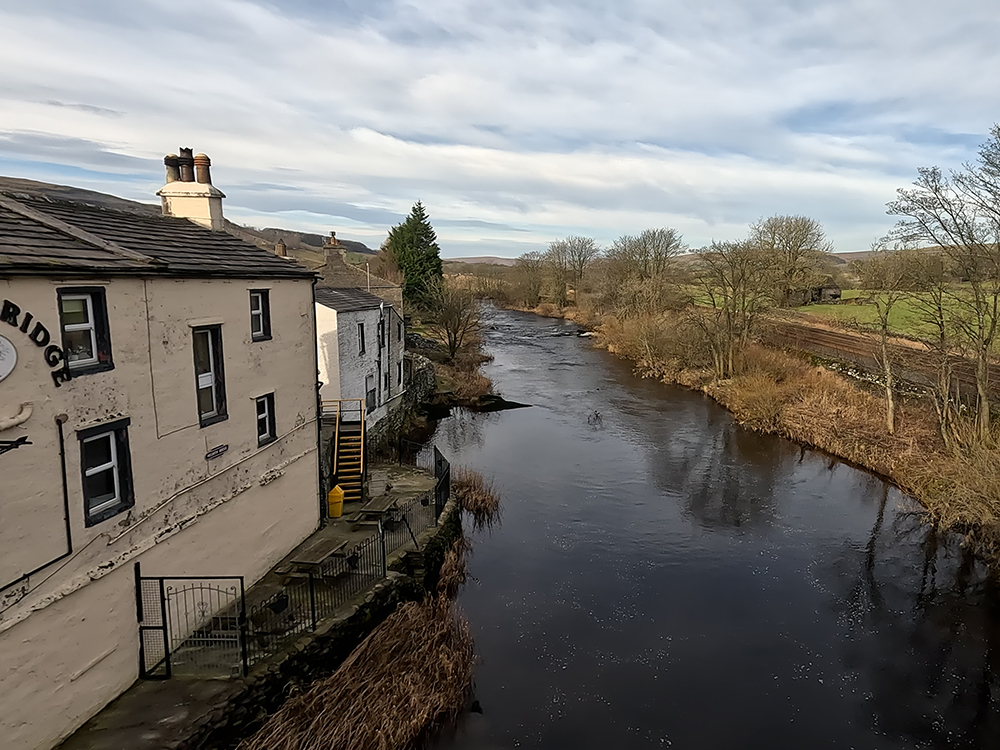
{"x":189,"y":193}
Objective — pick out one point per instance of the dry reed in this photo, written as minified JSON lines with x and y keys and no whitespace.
{"x":477,"y":496}
{"x":411,"y":675}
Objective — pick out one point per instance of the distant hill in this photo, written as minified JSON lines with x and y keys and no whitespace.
{"x":489,"y":260}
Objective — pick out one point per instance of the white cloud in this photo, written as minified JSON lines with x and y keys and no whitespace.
{"x":556,"y":118}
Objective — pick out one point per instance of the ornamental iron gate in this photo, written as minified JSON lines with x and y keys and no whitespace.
{"x":191,"y":625}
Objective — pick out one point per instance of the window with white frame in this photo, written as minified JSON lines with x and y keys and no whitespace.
{"x":106,"y":469}
{"x":361,"y":338}
{"x":266,"y":432}
{"x":86,"y":338}
{"x":209,"y":376}
{"x":260,"y":315}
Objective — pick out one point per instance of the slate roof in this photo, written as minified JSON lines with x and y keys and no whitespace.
{"x":349,"y":300}
{"x":51,"y":237}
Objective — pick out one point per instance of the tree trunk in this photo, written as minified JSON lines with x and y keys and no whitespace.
{"x":983,"y":393}
{"x":890,"y":400}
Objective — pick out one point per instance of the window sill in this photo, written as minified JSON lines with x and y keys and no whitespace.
{"x":76,"y":372}
{"x":266,"y":441}
{"x":206,"y":422}
{"x":260,"y":338}
{"x":104,"y":515}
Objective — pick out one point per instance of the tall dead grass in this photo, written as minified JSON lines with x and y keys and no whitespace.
{"x":477,"y":496}
{"x":776,"y":392}
{"x":411,"y":675}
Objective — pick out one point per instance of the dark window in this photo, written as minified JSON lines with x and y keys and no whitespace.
{"x":86,"y":338}
{"x":386,"y":380}
{"x":266,"y":432}
{"x":399,"y":373}
{"x":399,"y":331}
{"x":370,"y":393}
{"x":361,"y":338}
{"x":381,"y":333}
{"x":260,"y":315}
{"x":210,"y":378}
{"x":106,"y":468}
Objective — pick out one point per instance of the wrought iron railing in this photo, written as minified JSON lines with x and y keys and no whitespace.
{"x":205,"y":626}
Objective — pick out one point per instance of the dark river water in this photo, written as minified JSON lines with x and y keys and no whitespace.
{"x":664,"y":578}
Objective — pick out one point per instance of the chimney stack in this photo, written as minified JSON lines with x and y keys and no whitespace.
{"x":186,"y":198}
{"x":280,"y":249}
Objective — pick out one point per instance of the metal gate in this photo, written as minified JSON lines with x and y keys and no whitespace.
{"x":191,"y":625}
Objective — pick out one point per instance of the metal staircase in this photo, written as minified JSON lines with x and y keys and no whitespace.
{"x":348,"y":460}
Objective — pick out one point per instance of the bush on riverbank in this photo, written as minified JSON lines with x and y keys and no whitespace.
{"x":776,"y":392}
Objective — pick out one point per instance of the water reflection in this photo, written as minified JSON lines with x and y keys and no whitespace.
{"x":669,"y":579}
{"x":923,"y":637}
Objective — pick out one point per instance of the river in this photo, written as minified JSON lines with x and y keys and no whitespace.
{"x":664,"y":578}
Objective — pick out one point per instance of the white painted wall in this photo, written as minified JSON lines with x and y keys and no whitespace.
{"x":344,"y":369}
{"x":328,"y":350}
{"x":68,"y":638}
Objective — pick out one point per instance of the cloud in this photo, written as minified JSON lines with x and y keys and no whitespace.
{"x":86,"y":108}
{"x":514,"y":122}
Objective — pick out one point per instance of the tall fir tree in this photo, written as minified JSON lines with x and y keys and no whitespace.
{"x":413,"y":244}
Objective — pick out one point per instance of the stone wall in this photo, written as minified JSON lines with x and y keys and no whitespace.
{"x":420,"y":388}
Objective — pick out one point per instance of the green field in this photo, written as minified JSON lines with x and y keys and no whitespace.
{"x":904,"y":317}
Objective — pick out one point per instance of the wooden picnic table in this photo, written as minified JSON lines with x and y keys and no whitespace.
{"x":380,"y":505}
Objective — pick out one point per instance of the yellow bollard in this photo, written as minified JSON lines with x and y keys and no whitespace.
{"x":335,"y":502}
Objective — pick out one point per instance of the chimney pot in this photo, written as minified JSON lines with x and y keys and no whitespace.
{"x":173,"y":168}
{"x":202,"y":169}
{"x":186,"y":162}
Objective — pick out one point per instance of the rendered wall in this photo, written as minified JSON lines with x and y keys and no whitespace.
{"x":68,"y":633}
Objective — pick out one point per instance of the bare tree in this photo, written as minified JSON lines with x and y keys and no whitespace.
{"x":889,"y":275}
{"x":580,"y":253}
{"x":557,"y":261}
{"x":642,"y":274}
{"x":528,"y":276}
{"x":955,"y":215}
{"x":932,"y":280}
{"x":797,"y":246}
{"x":733,"y":282}
{"x":454,"y":313}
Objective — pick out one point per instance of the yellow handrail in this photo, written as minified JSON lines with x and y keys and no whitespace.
{"x":336,"y":443}
{"x":339,"y":406}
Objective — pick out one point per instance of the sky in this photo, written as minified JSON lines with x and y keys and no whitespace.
{"x":515,"y":122}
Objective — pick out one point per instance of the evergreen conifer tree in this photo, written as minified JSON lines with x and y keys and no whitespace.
{"x":413,"y":244}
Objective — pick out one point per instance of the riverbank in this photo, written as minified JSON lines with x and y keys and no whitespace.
{"x":781,"y":393}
